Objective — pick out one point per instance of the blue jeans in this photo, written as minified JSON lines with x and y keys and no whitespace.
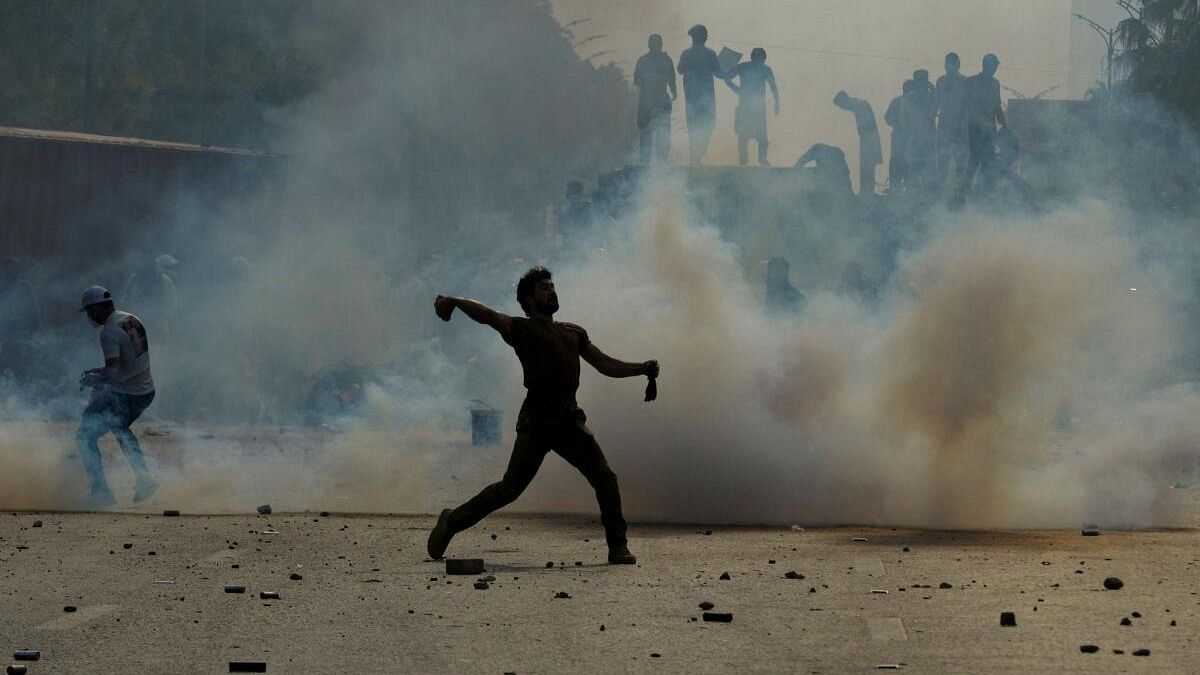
{"x":110,"y":411}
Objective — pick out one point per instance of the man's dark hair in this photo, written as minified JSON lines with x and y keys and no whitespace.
{"x":528,"y":283}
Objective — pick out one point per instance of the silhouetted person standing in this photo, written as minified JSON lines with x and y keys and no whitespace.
{"x":984,"y":112}
{"x":698,"y":65}
{"x":870,"y":148}
{"x":918,"y":110}
{"x":952,"y":147}
{"x":550,"y":418}
{"x":750,"y":119}
{"x":654,"y":77}
{"x":896,"y":164}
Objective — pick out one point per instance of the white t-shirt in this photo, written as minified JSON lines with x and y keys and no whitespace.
{"x":124,"y":336}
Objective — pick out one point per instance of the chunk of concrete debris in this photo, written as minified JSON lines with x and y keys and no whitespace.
{"x":1008,"y":619}
{"x":1141,"y":652}
{"x":268,"y":595}
{"x":481,"y":585}
{"x":16,"y":670}
{"x":265,"y":509}
{"x":945,"y":585}
{"x":1113,"y":583}
{"x":725,"y":576}
{"x":1089,"y":649}
{"x":247,"y":666}
{"x":27,"y":655}
{"x":878,"y":591}
{"x":860,"y":540}
{"x":171,"y":513}
{"x":235,"y":588}
{"x":718,"y":617}
{"x":1126,"y":621}
{"x":793,"y":575}
{"x":562,"y":595}
{"x":464,"y":565}
{"x":37,"y":523}
{"x":1090,"y":530}
{"x":706,"y":605}
{"x":295,"y":576}
{"x":69,"y":609}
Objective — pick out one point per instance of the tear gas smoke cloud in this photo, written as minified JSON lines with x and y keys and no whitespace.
{"x":1008,"y":380}
{"x":1007,"y":376}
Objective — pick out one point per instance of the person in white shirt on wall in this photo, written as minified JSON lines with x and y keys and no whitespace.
{"x":121,"y":392}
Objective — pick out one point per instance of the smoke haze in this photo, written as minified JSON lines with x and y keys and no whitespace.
{"x":1011,"y":372}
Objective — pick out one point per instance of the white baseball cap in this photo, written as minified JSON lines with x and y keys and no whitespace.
{"x":95,"y":295}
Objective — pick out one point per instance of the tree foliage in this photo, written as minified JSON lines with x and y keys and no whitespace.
{"x":1160,"y":52}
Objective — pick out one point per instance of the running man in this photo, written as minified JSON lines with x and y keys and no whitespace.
{"x":550,"y":418}
{"x":121,"y":392}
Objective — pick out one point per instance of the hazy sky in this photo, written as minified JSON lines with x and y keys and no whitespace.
{"x":816,"y":47}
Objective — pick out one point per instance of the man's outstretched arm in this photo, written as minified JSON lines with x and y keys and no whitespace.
{"x":611,"y":367}
{"x":477,"y":311}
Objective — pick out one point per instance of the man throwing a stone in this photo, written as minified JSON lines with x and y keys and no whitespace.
{"x":550,"y":418}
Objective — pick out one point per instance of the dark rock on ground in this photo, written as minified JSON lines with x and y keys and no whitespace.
{"x":1089,"y":649}
{"x":718,"y":617}
{"x":1113,"y":583}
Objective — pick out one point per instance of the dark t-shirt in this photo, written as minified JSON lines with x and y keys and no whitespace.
{"x":549,"y":352}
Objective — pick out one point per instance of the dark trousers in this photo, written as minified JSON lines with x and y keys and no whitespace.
{"x":572,"y":442}
{"x":110,"y":411}
{"x":981,"y":141}
{"x":655,"y":137}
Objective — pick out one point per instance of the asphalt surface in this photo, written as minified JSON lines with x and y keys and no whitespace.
{"x":148,"y":593}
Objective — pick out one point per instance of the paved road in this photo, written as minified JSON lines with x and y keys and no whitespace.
{"x":149,"y":593}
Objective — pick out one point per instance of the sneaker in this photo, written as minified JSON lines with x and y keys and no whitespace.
{"x":144,"y":489}
{"x":101,"y":499}
{"x":440,"y":537}
{"x":620,"y":555}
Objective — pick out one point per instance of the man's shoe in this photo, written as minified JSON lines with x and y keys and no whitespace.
{"x":440,"y":537}
{"x":144,"y":489}
{"x":620,"y":555}
{"x":101,"y":499}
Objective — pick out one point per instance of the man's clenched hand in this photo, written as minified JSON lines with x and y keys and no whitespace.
{"x":444,"y":307}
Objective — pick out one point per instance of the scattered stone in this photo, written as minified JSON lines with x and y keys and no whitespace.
{"x":70,"y":608}
{"x":812,"y":589}
{"x":1141,"y":652}
{"x":247,"y":666}
{"x":718,"y":617}
{"x":489,"y":578}
{"x":1136,"y":615}
{"x":879,"y":591}
{"x":708,"y":533}
{"x":1118,"y":651}
{"x":770,"y":562}
{"x":1008,"y":619}
{"x":126,"y":546}
{"x":1113,"y":583}
{"x":493,"y":536}
{"x":37,"y":523}
{"x":797,"y":528}
{"x":295,"y":576}
{"x":905,"y":549}
{"x":464,"y":566}
{"x":235,"y":588}
{"x":1090,"y":530}
{"x":265,"y":509}
{"x":562,"y":595}
{"x":860,"y":540}
{"x":16,"y":670}
{"x":481,"y":585}
{"x":601,"y":628}
{"x":324,"y":514}
{"x":889,"y":666}
{"x":171,"y":513}
{"x":27,"y":655}
{"x":1089,"y":649}
{"x":706,"y":605}
{"x":1172,"y":622}
{"x":268,"y":595}
{"x":793,"y":575}
{"x":1126,"y":622}
{"x":944,"y":585}
{"x":549,"y":565}
{"x":579,"y":563}
{"x":725,"y":576}
{"x":655,"y":655}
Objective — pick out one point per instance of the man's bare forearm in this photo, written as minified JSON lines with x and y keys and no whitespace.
{"x":475,"y":310}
